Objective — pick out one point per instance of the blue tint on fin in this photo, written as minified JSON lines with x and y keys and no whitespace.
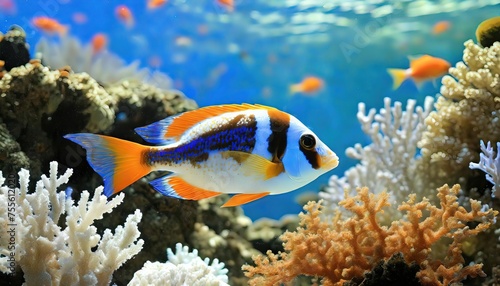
{"x":99,"y":156}
{"x":155,"y":132}
{"x":162,"y":186}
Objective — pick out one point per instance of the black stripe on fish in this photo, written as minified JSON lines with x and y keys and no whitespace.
{"x":280,"y":123}
{"x":312,"y":156}
{"x":238,"y":134}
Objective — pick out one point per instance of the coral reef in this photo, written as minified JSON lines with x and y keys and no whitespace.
{"x":343,"y":249}
{"x":390,"y":161}
{"x":49,"y":254}
{"x":61,"y":102}
{"x":182,"y":268}
{"x":466,"y":112}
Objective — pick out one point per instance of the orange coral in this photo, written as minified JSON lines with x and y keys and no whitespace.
{"x":347,"y":248}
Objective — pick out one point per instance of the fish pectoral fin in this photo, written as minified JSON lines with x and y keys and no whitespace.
{"x":241,"y":199}
{"x":174,"y":186}
{"x":255,"y":164}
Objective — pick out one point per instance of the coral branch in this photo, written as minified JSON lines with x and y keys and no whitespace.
{"x":344,"y":249}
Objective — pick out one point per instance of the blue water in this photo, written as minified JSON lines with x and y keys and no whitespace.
{"x":254,"y":53}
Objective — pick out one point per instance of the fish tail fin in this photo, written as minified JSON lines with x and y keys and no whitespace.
{"x":398,"y":76}
{"x":295,"y":88}
{"x":118,"y":162}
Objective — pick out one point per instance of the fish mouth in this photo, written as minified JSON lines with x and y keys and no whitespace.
{"x":330,"y":161}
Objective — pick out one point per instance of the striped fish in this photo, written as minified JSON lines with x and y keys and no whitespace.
{"x":247,"y":150}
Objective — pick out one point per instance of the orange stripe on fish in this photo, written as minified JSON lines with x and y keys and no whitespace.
{"x":174,"y":186}
{"x":248,"y":150}
{"x":240,"y":199}
{"x":119,"y":162}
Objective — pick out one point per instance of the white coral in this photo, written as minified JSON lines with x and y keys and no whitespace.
{"x":490,"y":164}
{"x":75,"y":254}
{"x":388,"y":163}
{"x":182,"y":269}
{"x":105,"y":67}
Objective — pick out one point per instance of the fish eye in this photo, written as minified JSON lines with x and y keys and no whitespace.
{"x":307,"y":141}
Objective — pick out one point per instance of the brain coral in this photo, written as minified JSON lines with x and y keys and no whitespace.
{"x":466,"y":112}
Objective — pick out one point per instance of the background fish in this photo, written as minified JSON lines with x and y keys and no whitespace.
{"x":248,"y":150}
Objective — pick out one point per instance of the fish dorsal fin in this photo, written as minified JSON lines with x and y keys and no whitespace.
{"x":170,"y":129}
{"x":414,"y":58}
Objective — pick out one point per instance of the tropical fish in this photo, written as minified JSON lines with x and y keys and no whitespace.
{"x":248,"y":150}
{"x":228,"y":4}
{"x":99,"y":42}
{"x":488,"y":32}
{"x":125,"y":15}
{"x":308,"y":85}
{"x":421,"y":69}
{"x":50,"y":25}
{"x":155,"y":4}
{"x":441,"y":27}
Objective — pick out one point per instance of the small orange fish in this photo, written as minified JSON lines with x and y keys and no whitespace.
{"x":99,"y":42}
{"x":309,"y":85}
{"x":50,"y":25}
{"x":124,"y":14}
{"x":441,"y":27}
{"x":421,"y":69}
{"x":155,"y":4}
{"x":228,"y":4}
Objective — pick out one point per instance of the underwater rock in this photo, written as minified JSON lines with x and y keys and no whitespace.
{"x":14,"y":51}
{"x":222,"y":233}
{"x":139,"y":104}
{"x":395,"y":271}
{"x":38,"y":106}
{"x":12,"y":158}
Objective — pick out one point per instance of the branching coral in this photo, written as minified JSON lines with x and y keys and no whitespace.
{"x":389,"y":162}
{"x":182,"y":268}
{"x":344,"y":249}
{"x":490,"y":164}
{"x":466,"y":112}
{"x":51,"y":255}
{"x":105,"y":67}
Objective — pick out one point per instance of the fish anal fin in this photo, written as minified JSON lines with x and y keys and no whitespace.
{"x":255,"y":164}
{"x":174,"y":186}
{"x":241,"y":199}
{"x":186,"y":120}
